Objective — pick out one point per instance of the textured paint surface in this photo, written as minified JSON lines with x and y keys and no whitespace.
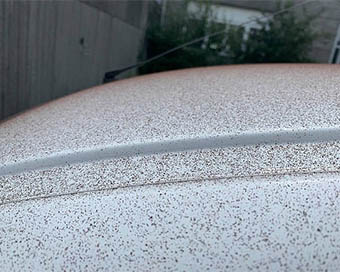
{"x":171,"y":168}
{"x":177,"y":105}
{"x":266,"y":207}
{"x":271,"y":224}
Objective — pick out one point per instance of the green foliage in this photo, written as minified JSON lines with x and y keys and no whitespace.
{"x":285,"y":38}
{"x":181,"y":27}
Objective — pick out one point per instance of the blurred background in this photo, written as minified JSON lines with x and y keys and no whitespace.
{"x":51,"y":48}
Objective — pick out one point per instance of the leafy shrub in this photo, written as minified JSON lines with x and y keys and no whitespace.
{"x":286,"y":37}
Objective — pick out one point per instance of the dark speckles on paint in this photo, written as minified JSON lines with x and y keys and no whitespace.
{"x":243,"y":208}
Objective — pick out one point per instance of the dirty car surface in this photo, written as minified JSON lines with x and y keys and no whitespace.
{"x":233,"y":167}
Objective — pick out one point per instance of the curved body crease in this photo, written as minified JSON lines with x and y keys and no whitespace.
{"x":222,"y":168}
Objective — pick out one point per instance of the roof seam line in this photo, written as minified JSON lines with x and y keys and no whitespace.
{"x":174,"y":181}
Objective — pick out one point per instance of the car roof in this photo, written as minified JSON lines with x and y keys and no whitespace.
{"x":220,"y":121}
{"x":186,"y":105}
{"x":182,"y":165}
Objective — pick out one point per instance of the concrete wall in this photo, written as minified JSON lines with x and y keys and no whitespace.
{"x":51,"y":48}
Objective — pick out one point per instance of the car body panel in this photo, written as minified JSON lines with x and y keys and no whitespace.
{"x":282,"y":223}
{"x":227,"y":168}
{"x":193,"y":103}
